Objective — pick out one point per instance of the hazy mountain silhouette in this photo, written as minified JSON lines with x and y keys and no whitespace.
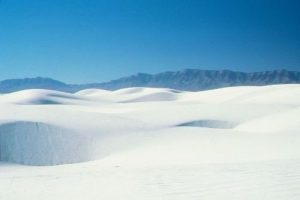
{"x":189,"y":79}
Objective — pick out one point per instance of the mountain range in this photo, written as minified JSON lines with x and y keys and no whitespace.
{"x":188,"y":79}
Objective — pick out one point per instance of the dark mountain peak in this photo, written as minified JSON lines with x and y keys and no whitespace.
{"x":197,"y":79}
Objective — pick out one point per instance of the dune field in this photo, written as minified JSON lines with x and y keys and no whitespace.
{"x":151,"y":143}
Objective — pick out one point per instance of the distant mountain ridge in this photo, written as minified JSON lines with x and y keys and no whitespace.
{"x":188,"y":79}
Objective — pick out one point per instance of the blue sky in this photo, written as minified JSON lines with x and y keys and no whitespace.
{"x":81,"y":41}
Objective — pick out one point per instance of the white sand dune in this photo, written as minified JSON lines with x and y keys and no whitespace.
{"x":151,"y":143}
{"x":35,"y":143}
{"x":39,"y":96}
{"x":274,"y":123}
{"x":129,"y":95}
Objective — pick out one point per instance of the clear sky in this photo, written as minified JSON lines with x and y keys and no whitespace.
{"x":81,"y":41}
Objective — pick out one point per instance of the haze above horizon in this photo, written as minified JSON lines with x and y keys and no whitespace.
{"x":92,"y":41}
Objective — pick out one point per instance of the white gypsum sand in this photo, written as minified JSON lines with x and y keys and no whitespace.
{"x":151,"y":143}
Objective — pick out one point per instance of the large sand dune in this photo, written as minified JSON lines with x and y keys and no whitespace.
{"x":151,"y":143}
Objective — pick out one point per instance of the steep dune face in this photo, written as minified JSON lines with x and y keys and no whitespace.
{"x":157,"y":96}
{"x":35,"y":143}
{"x":206,"y":123}
{"x":92,"y":92}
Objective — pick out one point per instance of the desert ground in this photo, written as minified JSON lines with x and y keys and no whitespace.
{"x":151,"y":143}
